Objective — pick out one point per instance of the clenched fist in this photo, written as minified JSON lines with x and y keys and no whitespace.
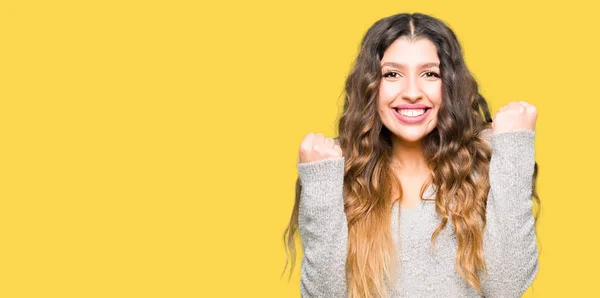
{"x":316,"y":147}
{"x":515,"y":116}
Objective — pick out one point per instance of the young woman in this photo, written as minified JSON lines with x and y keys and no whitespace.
{"x":422,"y":194}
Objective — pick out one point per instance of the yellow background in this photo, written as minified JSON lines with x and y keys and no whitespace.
{"x":148,"y":148}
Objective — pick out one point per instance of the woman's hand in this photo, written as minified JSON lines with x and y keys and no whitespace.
{"x":515,"y":116}
{"x":316,"y":147}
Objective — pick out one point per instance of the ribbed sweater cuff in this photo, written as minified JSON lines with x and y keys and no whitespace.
{"x":513,"y":143}
{"x":328,"y":170}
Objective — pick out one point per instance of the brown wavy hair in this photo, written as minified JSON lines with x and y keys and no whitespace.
{"x":457,"y":151}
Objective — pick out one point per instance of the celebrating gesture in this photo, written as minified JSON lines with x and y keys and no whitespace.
{"x":316,"y":147}
{"x":422,"y":166}
{"x":515,"y":116}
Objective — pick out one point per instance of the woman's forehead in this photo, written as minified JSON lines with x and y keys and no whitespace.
{"x":408,"y":53}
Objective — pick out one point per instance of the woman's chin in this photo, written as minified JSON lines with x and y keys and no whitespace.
{"x":410,"y":137}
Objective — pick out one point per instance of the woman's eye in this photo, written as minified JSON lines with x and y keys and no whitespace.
{"x":430,"y":74}
{"x":390,"y":74}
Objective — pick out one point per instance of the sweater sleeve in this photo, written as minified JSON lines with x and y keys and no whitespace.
{"x":323,"y":228}
{"x":509,"y":243}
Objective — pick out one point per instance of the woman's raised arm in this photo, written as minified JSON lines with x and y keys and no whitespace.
{"x":509,"y":242}
{"x":322,"y":224}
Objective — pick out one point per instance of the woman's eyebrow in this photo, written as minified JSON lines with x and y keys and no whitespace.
{"x":398,"y":65}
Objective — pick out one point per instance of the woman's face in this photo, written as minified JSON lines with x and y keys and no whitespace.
{"x":410,"y":92}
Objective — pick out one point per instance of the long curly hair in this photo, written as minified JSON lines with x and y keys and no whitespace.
{"x":457,"y":152}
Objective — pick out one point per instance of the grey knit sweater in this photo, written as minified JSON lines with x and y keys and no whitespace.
{"x":510,"y":249}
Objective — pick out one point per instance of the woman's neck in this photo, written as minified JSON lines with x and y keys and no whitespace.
{"x":408,"y":157}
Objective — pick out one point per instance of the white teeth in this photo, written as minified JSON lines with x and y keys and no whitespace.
{"x":411,"y":113}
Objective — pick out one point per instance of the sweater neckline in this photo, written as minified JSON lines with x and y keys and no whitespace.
{"x":429,"y":192}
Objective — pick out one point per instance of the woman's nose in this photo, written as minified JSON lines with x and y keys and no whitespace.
{"x":411,"y":91}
